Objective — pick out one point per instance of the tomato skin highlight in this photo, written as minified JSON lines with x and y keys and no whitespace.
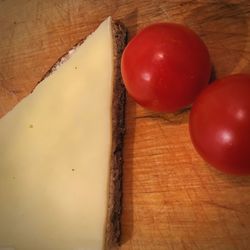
{"x":165,"y":67}
{"x":219,"y":124}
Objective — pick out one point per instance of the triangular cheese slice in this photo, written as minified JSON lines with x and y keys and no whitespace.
{"x":55,"y":149}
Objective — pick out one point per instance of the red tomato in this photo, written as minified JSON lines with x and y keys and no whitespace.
{"x":165,"y":67}
{"x":220,"y":124}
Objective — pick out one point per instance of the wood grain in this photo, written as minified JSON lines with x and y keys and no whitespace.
{"x":172,"y":198}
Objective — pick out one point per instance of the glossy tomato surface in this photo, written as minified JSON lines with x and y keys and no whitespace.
{"x":220,"y":124}
{"x":165,"y":66}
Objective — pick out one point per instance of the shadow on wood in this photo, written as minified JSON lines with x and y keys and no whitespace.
{"x":223,"y":26}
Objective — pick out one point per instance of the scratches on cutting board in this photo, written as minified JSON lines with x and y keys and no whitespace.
{"x":227,"y":24}
{"x":222,"y":206}
{"x":179,"y":117}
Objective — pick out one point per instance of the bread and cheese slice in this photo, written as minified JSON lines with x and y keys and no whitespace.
{"x":61,"y":152}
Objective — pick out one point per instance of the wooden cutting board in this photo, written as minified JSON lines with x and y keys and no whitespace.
{"x":172,"y":198}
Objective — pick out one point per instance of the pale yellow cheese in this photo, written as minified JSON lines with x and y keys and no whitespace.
{"x":55,"y":155}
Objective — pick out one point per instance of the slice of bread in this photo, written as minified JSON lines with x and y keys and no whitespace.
{"x":61,"y":152}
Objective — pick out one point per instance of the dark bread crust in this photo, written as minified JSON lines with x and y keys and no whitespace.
{"x":113,"y":224}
